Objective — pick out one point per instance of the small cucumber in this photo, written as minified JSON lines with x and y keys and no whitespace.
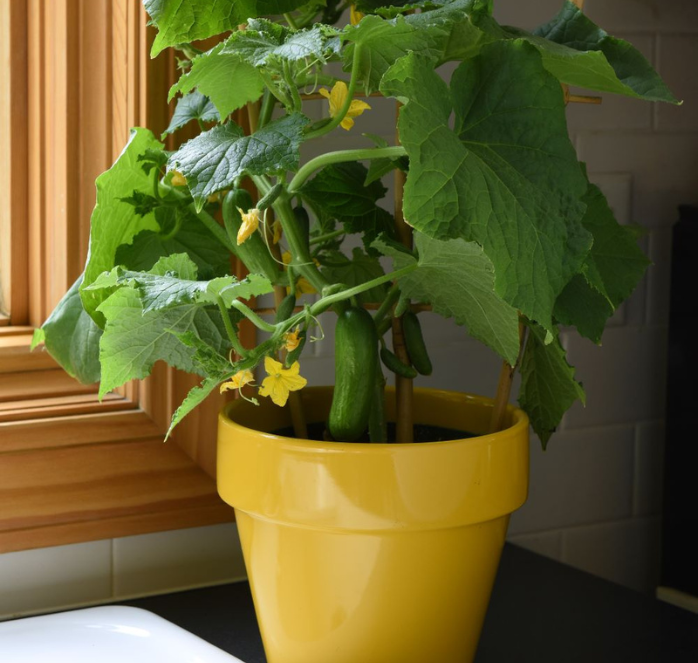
{"x":285,"y":309}
{"x":294,"y":355}
{"x":303,"y":221}
{"x":414,"y":341}
{"x":253,"y":252}
{"x":392,"y":362}
{"x":271,"y":196}
{"x":356,"y":363}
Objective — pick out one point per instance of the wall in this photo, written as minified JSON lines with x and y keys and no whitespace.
{"x":595,"y":494}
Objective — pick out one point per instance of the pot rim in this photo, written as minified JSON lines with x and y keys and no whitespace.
{"x":519,"y":422}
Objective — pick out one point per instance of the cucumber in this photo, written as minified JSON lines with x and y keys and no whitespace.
{"x":414,"y":342}
{"x":253,"y":252}
{"x":356,"y":363}
{"x":294,"y":355}
{"x":392,"y":362}
{"x":271,"y":196}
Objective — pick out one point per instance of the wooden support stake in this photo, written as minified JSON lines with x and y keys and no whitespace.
{"x":506,"y":377}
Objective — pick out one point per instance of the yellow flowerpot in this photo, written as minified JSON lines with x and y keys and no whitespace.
{"x":372,"y":553}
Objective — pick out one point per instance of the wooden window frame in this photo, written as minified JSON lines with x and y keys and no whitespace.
{"x":73,"y":468}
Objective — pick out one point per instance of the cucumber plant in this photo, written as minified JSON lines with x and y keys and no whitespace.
{"x":504,"y":230}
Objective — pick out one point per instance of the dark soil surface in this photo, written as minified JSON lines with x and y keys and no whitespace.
{"x":422,"y":433}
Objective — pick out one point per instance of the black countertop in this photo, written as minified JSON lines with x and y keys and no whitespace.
{"x":541,"y":611}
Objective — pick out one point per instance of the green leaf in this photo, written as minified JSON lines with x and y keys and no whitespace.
{"x":356,"y":270}
{"x":443,"y":34}
{"x":457,"y":279}
{"x":615,"y":264}
{"x":134,"y":340}
{"x":578,"y":52}
{"x":193,"y":106}
{"x":506,"y":175}
{"x":115,"y":222}
{"x":180,"y":21}
{"x":263,"y":42}
{"x":194,"y":398}
{"x":212,"y":72}
{"x":611,"y":271}
{"x":71,"y":337}
{"x":172,"y":282}
{"x":548,"y":387}
{"x":210,"y":362}
{"x":340,"y":192}
{"x":582,"y":306}
{"x":193,"y":238}
{"x":213,"y":160}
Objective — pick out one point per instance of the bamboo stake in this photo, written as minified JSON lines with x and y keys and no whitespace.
{"x":506,"y":377}
{"x":295,"y":402}
{"x":404,"y":394}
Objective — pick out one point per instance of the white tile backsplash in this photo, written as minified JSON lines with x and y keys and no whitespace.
{"x":54,"y":578}
{"x":152,"y":563}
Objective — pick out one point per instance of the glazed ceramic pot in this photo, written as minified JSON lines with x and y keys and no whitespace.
{"x":372,"y":553}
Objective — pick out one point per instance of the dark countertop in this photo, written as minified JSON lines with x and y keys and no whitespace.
{"x":541,"y":611}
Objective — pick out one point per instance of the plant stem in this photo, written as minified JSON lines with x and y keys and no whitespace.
{"x":267,"y":108}
{"x":326,"y":302}
{"x":386,"y":305}
{"x":326,"y":237}
{"x":291,"y":21}
{"x":340,"y":156}
{"x":232,"y":335}
{"x":337,"y":119}
{"x":404,"y":392}
{"x":213,"y":226}
{"x":253,"y":317}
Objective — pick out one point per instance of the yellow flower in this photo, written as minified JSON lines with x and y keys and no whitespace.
{"x":238,"y":381}
{"x":250,"y":221}
{"x":337,"y":98}
{"x":281,"y":381}
{"x":178,"y":179}
{"x":291,"y":340}
{"x":276,"y":231}
{"x":355,"y":16}
{"x":303,"y":286}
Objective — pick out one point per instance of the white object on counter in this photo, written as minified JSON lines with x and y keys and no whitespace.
{"x":109,"y":634}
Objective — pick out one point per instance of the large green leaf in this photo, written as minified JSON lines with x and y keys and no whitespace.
{"x":506,"y":175}
{"x":225,"y":78}
{"x":457,"y":279}
{"x":193,"y":106}
{"x":339,"y":192}
{"x":71,"y":337}
{"x":263,"y":42}
{"x":172,"y":282}
{"x":213,"y":160}
{"x":578,"y":52}
{"x":114,"y":221}
{"x":548,"y":387}
{"x":134,"y":340}
{"x":180,"y":21}
{"x":360,"y":268}
{"x":611,"y":271}
{"x":446,"y":33}
{"x":191,"y":237}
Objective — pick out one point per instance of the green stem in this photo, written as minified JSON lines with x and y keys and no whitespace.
{"x":326,"y":237}
{"x":177,"y":226}
{"x":232,"y":335}
{"x":293,"y":88}
{"x":326,"y":302}
{"x":337,"y":119}
{"x":213,"y":226}
{"x":156,"y":183}
{"x":253,"y":317}
{"x":291,"y":21}
{"x":265,"y":112}
{"x":340,"y":156}
{"x":387,"y":304}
